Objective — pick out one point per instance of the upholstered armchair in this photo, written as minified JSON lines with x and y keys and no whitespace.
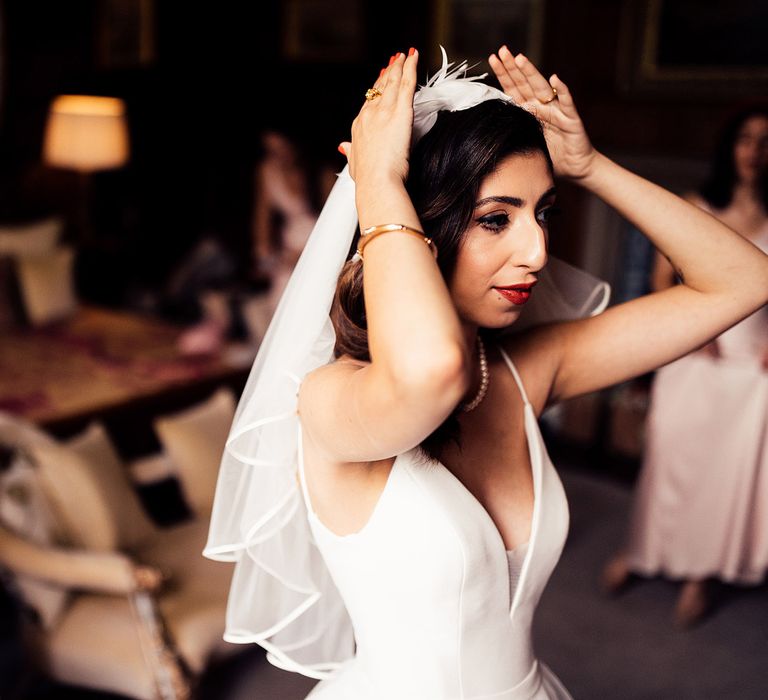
{"x":120,"y":604}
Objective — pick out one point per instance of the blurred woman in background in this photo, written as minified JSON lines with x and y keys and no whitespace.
{"x":284,"y":213}
{"x":288,"y":184}
{"x":701,"y":509}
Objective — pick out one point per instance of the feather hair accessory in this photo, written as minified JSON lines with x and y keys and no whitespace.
{"x":450,"y":89}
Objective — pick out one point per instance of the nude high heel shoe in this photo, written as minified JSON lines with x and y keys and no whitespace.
{"x":694,"y":603}
{"x":615,"y":575}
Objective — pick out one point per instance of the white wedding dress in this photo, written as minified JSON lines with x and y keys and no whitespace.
{"x":431,"y":592}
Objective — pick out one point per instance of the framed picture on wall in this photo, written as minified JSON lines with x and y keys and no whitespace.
{"x":689,"y":48}
{"x":470,"y":29}
{"x":126,"y":33}
{"x":323,"y":30}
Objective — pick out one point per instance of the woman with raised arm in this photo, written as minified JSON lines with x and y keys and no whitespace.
{"x":701,"y":508}
{"x":385,"y":489}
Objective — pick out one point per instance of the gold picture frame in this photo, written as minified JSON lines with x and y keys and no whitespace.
{"x":323,"y":30}
{"x":126,"y":33}
{"x":471,"y":29}
{"x":690,"y":49}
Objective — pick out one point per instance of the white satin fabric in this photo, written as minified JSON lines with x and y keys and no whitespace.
{"x":426,"y":583}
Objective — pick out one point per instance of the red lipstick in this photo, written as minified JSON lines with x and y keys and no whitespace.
{"x":518,"y":294}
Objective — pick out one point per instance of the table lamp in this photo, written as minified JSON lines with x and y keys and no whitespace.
{"x":86,"y":134}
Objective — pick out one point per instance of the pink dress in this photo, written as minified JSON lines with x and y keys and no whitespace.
{"x":297,"y":223}
{"x":701,"y":507}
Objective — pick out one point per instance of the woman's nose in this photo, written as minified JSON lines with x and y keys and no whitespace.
{"x":532,"y":251}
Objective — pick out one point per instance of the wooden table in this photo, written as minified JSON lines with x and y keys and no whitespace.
{"x":119,"y":367}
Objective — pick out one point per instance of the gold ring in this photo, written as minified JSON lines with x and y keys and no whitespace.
{"x":372,"y":93}
{"x":554,"y":97}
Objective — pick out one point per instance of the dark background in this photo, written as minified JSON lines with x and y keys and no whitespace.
{"x":220,"y":74}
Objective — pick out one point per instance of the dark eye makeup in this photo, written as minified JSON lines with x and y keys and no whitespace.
{"x":498,"y":220}
{"x":547,"y":213}
{"x":495,"y":221}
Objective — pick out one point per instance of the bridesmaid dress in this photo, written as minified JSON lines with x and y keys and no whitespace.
{"x":701,"y":507}
{"x":431,"y":591}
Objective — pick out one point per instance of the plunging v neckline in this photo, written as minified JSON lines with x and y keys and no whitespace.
{"x":536,"y":475}
{"x":485,"y":510}
{"x":536,"y":478}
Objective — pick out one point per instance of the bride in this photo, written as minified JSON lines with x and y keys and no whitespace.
{"x":385,"y":488}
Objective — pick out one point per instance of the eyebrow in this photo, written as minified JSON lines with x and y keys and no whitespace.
{"x":515,"y":201}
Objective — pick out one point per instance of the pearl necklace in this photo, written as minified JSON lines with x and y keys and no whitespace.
{"x":484,"y":374}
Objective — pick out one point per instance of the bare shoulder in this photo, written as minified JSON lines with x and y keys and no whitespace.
{"x":368,"y":411}
{"x":323,"y":401}
{"x":342,"y":367}
{"x":320,"y":390}
{"x":536,"y":354}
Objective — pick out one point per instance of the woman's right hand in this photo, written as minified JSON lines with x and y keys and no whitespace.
{"x":381,"y":132}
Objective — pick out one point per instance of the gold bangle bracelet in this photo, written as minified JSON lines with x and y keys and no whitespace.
{"x":371,"y":232}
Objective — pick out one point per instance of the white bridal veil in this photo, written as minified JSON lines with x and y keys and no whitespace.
{"x":282,"y":596}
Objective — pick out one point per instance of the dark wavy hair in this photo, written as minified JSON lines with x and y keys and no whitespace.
{"x":447,"y":167}
{"x":717,"y":189}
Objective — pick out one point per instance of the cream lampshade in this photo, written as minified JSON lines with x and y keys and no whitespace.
{"x":86,"y":133}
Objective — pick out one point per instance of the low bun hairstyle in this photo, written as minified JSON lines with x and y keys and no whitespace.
{"x":447,"y":167}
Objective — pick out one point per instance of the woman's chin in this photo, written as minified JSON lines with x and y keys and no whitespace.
{"x":498,"y":320}
{"x":489,"y":313}
{"x":747,"y":175}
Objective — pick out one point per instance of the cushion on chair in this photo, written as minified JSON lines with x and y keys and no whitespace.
{"x":47,"y":285}
{"x":24,"y":511}
{"x":97,"y":645}
{"x":151,"y":469}
{"x":194,"y":439}
{"x":194,"y":602}
{"x":37,"y":238}
{"x":88,"y":485}
{"x":96,"y":642}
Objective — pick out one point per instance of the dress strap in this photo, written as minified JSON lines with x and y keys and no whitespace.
{"x":302,"y":475}
{"x":515,"y":374}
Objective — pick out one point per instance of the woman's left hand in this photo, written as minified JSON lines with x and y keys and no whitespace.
{"x":572,"y":152}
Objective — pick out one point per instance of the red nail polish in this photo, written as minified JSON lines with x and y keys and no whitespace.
{"x":341,"y":150}
{"x":382,"y":72}
{"x":391,"y":60}
{"x":411,"y":51}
